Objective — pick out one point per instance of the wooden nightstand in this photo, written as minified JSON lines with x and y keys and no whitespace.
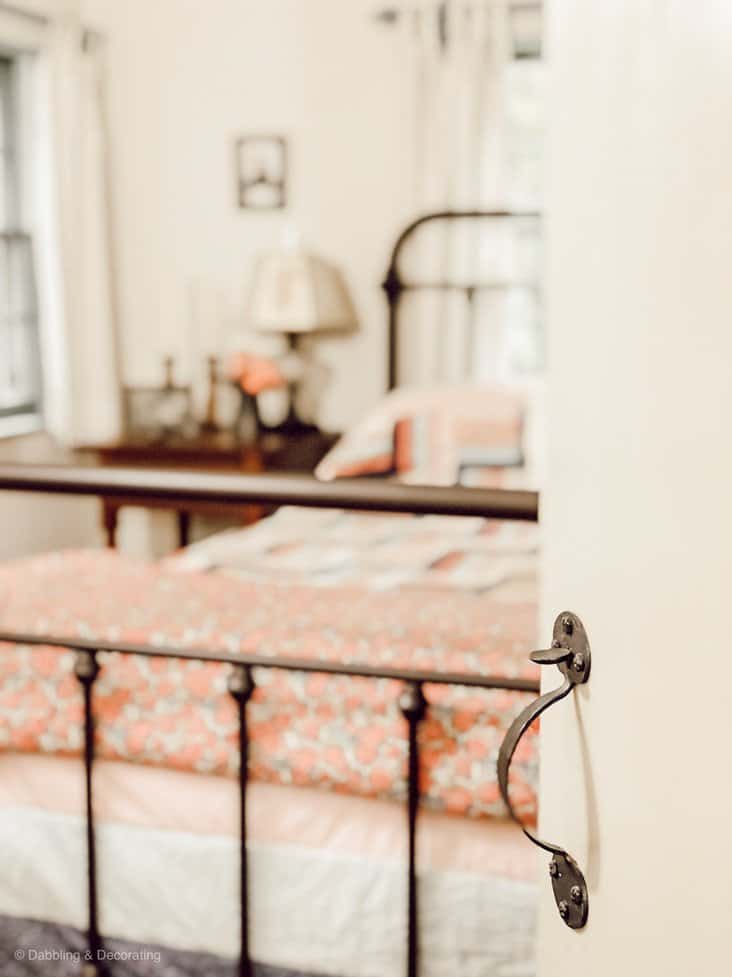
{"x":218,"y":452}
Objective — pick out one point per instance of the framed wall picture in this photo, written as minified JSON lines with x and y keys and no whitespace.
{"x":156,"y":413}
{"x":261,"y":172}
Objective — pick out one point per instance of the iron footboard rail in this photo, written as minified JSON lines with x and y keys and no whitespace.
{"x":280,"y":489}
{"x":413,"y":704}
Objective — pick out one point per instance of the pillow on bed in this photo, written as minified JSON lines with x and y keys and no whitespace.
{"x":434,"y":436}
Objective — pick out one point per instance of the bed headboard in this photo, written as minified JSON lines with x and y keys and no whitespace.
{"x":395,"y":285}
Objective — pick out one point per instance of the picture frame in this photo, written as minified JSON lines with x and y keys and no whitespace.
{"x":155,"y":413}
{"x":261,"y":171}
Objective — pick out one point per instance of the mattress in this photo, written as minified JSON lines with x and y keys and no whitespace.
{"x":327,"y":866}
{"x":433,"y":593}
{"x":168,"y":864}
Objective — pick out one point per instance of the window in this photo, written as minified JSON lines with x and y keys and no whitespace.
{"x":20,"y":360}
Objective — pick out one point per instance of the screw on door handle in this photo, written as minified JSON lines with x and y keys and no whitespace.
{"x":570,"y":652}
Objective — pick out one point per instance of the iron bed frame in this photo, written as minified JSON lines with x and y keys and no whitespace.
{"x":396,"y":284}
{"x":359,"y":494}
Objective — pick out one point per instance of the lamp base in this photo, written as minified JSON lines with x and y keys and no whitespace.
{"x":291,"y":425}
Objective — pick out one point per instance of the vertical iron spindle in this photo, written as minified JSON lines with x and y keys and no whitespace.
{"x":471,"y":336}
{"x":86,"y":669}
{"x":241,"y":686}
{"x":392,"y":285}
{"x":413,"y":706}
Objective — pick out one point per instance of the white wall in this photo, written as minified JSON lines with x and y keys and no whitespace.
{"x":185,"y":78}
{"x":637,"y":509}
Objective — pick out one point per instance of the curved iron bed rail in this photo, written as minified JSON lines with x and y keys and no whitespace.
{"x":394,"y":285}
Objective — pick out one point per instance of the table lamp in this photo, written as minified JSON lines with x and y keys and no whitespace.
{"x":295,"y":293}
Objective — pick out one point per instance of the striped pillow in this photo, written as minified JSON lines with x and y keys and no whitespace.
{"x":430,"y":436}
{"x":437,"y":447}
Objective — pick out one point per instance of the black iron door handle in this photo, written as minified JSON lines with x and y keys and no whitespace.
{"x":570,"y":652}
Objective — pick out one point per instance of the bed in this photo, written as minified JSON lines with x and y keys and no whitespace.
{"x":358,"y":664}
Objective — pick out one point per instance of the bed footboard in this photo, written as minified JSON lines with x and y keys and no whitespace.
{"x":413,"y":703}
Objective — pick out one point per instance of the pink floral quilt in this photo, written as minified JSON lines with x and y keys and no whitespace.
{"x":343,"y":733}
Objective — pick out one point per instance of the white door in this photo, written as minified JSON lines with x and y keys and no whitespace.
{"x":637,"y":772}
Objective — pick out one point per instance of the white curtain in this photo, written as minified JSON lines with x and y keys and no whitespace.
{"x":85,"y":290}
{"x":65,"y":207}
{"x":463,"y":73}
{"x":462,"y":50}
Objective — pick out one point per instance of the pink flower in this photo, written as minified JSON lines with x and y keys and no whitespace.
{"x":254,"y":373}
